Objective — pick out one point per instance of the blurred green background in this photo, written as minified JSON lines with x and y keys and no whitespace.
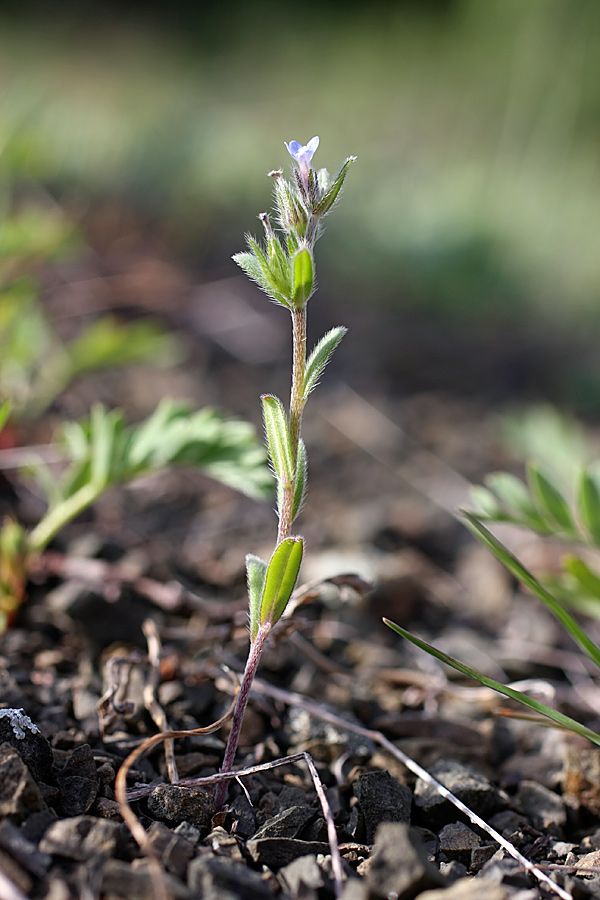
{"x":473,"y":207}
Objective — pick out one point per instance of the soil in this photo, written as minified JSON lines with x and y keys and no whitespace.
{"x":386,"y":471}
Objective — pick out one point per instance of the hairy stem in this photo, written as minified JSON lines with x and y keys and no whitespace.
{"x":296,"y":410}
{"x":256,"y":649}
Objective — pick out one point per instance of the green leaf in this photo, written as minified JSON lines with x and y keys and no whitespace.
{"x":300,"y":480}
{"x":302,"y":277}
{"x":105,"y":428}
{"x":257,"y":268}
{"x":487,"y":503}
{"x":278,"y":438}
{"x":589,"y":505}
{"x":5,"y":408}
{"x":541,"y":708}
{"x":332,"y":194}
{"x":319,"y":358}
{"x":280,"y":581}
{"x":515,"y":497}
{"x":525,"y":577}
{"x":256,"y":573}
{"x":587,"y":580}
{"x":549,"y":500}
{"x":109,"y":344}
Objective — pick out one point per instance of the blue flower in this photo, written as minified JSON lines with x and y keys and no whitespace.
{"x":303,"y":154}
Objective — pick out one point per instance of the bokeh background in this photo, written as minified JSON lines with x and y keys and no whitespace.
{"x":465,"y":252}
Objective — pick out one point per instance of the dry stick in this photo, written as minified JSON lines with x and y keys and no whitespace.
{"x":291,"y":699}
{"x":150,"y":701}
{"x":129,"y":817}
{"x":223,"y":777}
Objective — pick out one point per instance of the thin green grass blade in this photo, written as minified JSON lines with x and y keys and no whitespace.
{"x":525,"y":577}
{"x":541,"y":708}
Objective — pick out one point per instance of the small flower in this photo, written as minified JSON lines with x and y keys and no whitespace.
{"x":303,"y":154}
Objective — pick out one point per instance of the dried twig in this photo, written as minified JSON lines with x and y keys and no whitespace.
{"x":150,"y":700}
{"x":129,"y":817}
{"x":291,"y":699}
{"x":220,"y":777}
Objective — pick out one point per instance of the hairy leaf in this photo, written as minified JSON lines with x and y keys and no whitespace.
{"x":256,"y":573}
{"x":280,"y":581}
{"x":320,"y":356}
{"x":278,"y":438}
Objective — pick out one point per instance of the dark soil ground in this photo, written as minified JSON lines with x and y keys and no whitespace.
{"x":387,"y":469}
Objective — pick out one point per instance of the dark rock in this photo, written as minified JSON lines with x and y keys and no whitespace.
{"x":457,"y":841}
{"x":503,"y":869}
{"x":399,"y":864}
{"x":19,"y":794}
{"x":243,"y":815}
{"x":480,"y":855}
{"x":106,"y":809}
{"x":453,"y":870}
{"x":77,"y":794}
{"x":122,"y":880}
{"x":24,"y":851}
{"x":381,"y":798}
{"x":289,"y":795}
{"x":81,"y":837}
{"x":581,"y":777}
{"x":35,"y":826}
{"x":11,"y":869}
{"x":174,"y":851}
{"x":464,"y":782}
{"x":544,"y":808}
{"x":224,"y":844}
{"x":174,"y":804}
{"x":303,"y":877}
{"x":221,"y":879}
{"x":19,"y":731}
{"x":188,"y":831}
{"x":509,"y":823}
{"x":315,"y":831}
{"x":468,"y":889}
{"x":287,"y":823}
{"x":278,"y":852}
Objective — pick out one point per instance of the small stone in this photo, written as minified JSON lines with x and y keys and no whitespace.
{"x":399,"y":866}
{"x":480,"y":855}
{"x":288,"y":823}
{"x":11,"y":869}
{"x":19,"y":794}
{"x":243,"y":815}
{"x":503,"y":869}
{"x":224,"y":844}
{"x":81,"y":837}
{"x":468,"y":889}
{"x":106,"y":809}
{"x":581,"y":777}
{"x":278,"y":852}
{"x":466,"y":783}
{"x":25,"y":737}
{"x":453,"y":870}
{"x":174,"y":804}
{"x":24,"y":851}
{"x":302,"y":878}
{"x":381,"y":798}
{"x":172,"y":849}
{"x":544,"y":808}
{"x":457,"y":841}
{"x":221,"y":879}
{"x":122,"y":880}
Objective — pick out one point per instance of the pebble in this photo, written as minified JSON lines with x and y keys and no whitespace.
{"x":122,"y":880}
{"x":544,"y":808}
{"x":302,"y":878}
{"x":24,"y":736}
{"x":381,"y":798}
{"x":468,"y":889}
{"x":399,"y":865}
{"x":277,"y":852}
{"x":174,"y":851}
{"x":19,"y":794}
{"x":24,"y":851}
{"x":457,"y":841}
{"x":466,"y":783}
{"x":288,"y":823}
{"x":221,"y":879}
{"x":81,"y":837}
{"x":78,"y":782}
{"x":174,"y":804}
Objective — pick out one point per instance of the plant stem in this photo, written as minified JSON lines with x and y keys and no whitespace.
{"x":256,"y":649}
{"x":297,"y":403}
{"x":57,"y":518}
